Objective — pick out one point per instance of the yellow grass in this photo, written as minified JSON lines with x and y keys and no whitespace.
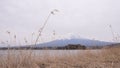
{"x":106,"y":58}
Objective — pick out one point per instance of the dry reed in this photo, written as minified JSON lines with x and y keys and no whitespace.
{"x":106,"y":58}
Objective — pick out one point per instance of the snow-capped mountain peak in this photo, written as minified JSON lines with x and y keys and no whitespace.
{"x":68,"y":36}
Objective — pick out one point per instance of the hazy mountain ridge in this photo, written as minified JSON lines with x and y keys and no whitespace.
{"x":70,"y":39}
{"x":64,"y":42}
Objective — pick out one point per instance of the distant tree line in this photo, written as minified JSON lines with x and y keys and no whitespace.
{"x":67,"y":47}
{"x":73,"y":47}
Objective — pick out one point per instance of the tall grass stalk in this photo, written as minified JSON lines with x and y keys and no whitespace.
{"x":45,"y":23}
{"x":8,"y":55}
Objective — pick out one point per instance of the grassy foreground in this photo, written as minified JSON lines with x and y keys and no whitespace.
{"x":106,"y":58}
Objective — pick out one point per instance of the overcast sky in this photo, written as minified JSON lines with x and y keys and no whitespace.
{"x":87,"y":18}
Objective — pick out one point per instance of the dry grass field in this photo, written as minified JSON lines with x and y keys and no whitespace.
{"x":105,"y":58}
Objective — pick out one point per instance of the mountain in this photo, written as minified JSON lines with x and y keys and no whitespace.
{"x":117,"y":45}
{"x":3,"y":45}
{"x":85,"y":42}
{"x":66,"y":40}
{"x":73,"y":40}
